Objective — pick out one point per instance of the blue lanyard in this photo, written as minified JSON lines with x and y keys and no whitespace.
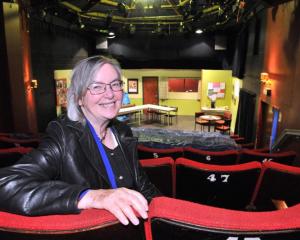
{"x":109,"y":171}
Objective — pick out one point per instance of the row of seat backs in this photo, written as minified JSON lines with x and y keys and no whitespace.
{"x":248,"y":186}
{"x":227,"y":157}
{"x":9,"y":156}
{"x":8,"y":142}
{"x":168,"y":219}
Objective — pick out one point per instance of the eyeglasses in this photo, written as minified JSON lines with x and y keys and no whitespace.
{"x":98,"y":88}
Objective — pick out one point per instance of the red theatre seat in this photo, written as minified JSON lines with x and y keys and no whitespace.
{"x":221,"y":186}
{"x":89,"y":224}
{"x":286,"y":157}
{"x":34,"y":142}
{"x":278,"y":184}
{"x":148,"y":153}
{"x":227,"y":157}
{"x":181,"y":220}
{"x":10,"y":156}
{"x":161,"y":172}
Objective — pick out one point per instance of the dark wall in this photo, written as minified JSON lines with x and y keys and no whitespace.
{"x":53,"y":48}
{"x":5,"y":104}
{"x":150,"y":51}
{"x":277,"y":53}
{"x":253,"y":57}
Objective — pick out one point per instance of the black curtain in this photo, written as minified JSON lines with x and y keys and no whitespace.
{"x":244,"y":125}
{"x":239,"y":59}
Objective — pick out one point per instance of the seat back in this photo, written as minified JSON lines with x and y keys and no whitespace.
{"x":89,"y":224}
{"x":225,"y":126}
{"x":161,"y":172}
{"x":227,"y":115}
{"x":32,"y":142}
{"x":198,"y":114}
{"x":286,"y":157}
{"x":222,"y":186}
{"x":227,"y":157}
{"x":181,"y":220}
{"x":10,"y":156}
{"x":278,"y":182}
{"x":149,"y":153}
{"x":5,"y":144}
{"x":249,"y":146}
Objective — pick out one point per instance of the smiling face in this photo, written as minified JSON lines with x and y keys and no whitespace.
{"x":104,"y":106}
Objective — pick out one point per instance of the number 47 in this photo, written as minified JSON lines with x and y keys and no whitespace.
{"x":224,"y":178}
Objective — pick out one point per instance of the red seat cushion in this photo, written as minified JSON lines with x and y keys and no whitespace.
{"x":218,"y":218}
{"x":86,"y":220}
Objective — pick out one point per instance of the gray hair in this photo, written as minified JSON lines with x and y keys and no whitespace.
{"x":82,"y":76}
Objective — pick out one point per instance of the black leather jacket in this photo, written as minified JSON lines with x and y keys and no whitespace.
{"x":50,"y":178}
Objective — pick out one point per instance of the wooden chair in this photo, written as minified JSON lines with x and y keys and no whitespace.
{"x":224,"y":125}
{"x":171,"y":115}
{"x":199,"y":121}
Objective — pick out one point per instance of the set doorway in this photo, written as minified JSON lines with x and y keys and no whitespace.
{"x":150,"y":90}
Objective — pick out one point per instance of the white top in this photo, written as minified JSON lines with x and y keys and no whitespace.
{"x":146,"y":106}
{"x":213,"y":110}
{"x":210,"y":117}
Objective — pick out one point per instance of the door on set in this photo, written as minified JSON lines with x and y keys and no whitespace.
{"x":150,"y":90}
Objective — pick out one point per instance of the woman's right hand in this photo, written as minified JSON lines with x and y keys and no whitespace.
{"x":121,"y":202}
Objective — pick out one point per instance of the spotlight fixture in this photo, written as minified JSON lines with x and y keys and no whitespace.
{"x":158,"y":29}
{"x":81,"y":25}
{"x":132,"y":29}
{"x":181,"y":27}
{"x":111,"y":34}
{"x":198,"y":31}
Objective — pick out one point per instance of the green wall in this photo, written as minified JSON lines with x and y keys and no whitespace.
{"x":237,"y":84}
{"x":187,"y":103}
{"x":216,"y":76}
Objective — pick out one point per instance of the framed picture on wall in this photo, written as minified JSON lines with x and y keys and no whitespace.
{"x":132,"y":86}
{"x":61,"y":92}
{"x":216,"y":89}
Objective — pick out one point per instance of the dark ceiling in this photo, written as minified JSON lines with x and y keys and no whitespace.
{"x":160,"y":17}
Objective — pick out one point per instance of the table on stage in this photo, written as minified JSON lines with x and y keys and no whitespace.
{"x":211,"y":111}
{"x":139,"y":110}
{"x":211,"y":119}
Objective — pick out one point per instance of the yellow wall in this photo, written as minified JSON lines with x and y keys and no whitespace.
{"x":237,"y":84}
{"x":187,"y":103}
{"x":61,"y":74}
{"x":216,"y":76}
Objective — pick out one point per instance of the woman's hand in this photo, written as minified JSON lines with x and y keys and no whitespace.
{"x":121,"y":202}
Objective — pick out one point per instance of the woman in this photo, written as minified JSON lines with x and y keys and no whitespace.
{"x":87,"y":160}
